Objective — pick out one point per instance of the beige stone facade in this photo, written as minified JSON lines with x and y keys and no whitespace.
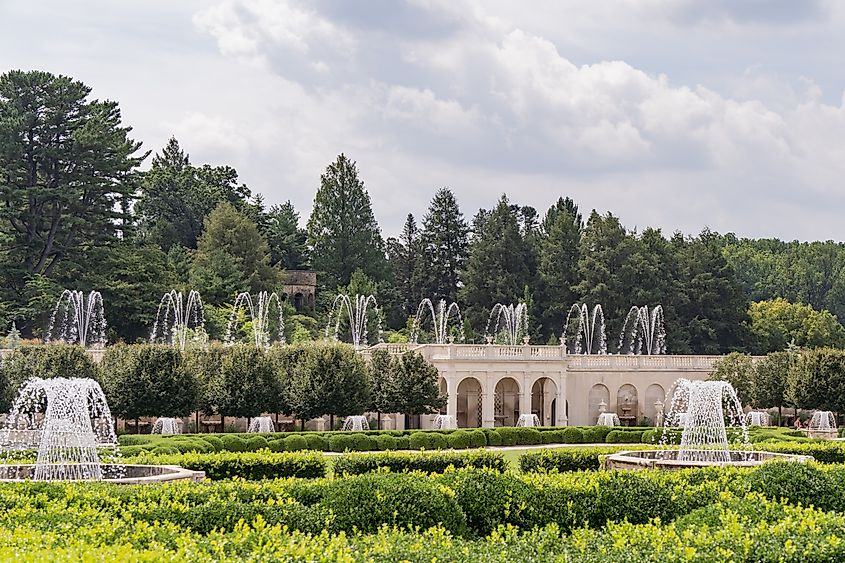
{"x":491,"y":385}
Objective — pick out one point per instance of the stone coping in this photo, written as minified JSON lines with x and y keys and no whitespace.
{"x":133,"y":474}
{"x":653,"y":459}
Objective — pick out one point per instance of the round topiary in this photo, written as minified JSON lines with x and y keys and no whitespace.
{"x":295,"y":443}
{"x":165,"y":450}
{"x":340,"y":442}
{"x":419,"y":441}
{"x":571,"y":435}
{"x":477,"y":439}
{"x":509,"y":435}
{"x":232,"y":443}
{"x":403,"y":443}
{"x":277,"y":445}
{"x":362,"y":443}
{"x":214,"y":441}
{"x":385,"y":442}
{"x":256,"y":443}
{"x":316,"y":442}
{"x":459,"y":440}
{"x":494,"y":438}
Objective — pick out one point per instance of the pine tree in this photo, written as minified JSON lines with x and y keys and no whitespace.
{"x":444,"y":239}
{"x":288,"y":242}
{"x":561,"y":232}
{"x":405,"y":257}
{"x":499,"y":263}
{"x":231,"y":257}
{"x":342,"y":230}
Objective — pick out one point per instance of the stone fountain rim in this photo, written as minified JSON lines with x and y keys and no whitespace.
{"x":632,"y":459}
{"x":170,"y":473}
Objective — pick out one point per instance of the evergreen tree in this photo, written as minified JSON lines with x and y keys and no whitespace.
{"x":417,"y":389}
{"x":405,"y":257}
{"x":342,"y":230}
{"x":558,"y":263}
{"x":444,"y":239}
{"x":499,"y":263}
{"x":176,"y":197}
{"x":771,"y":384}
{"x":288,"y":242}
{"x":232,"y":256}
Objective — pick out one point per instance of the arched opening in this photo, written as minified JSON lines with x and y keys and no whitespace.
{"x":469,"y":403}
{"x":599,"y":402}
{"x":298,"y":302}
{"x":506,"y":402}
{"x":655,"y":400}
{"x":543,"y":394}
{"x":444,"y":392}
{"x":627,"y":405}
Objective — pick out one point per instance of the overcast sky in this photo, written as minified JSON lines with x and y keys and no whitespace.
{"x":669,"y":113}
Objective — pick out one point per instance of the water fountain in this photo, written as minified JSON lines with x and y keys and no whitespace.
{"x":643,"y":332}
{"x":68,"y":420}
{"x":528,"y":420}
{"x":444,"y":422}
{"x":166,"y":425}
{"x":822,"y":425}
{"x":508,"y":322}
{"x":757,"y":418}
{"x":356,"y":309}
{"x":183,"y":320}
{"x":583,"y":332}
{"x":259,"y":317}
{"x":608,"y":419}
{"x":439,"y":320}
{"x":77,"y":319}
{"x":704,"y":440}
{"x":356,"y":423}
{"x":262,"y":424}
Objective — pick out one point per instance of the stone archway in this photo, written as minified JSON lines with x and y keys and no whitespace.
{"x":443,"y":385}
{"x":469,"y":403}
{"x":655,"y":399}
{"x":627,"y":405}
{"x":506,"y":402}
{"x":543,"y":394}
{"x":598,"y":398}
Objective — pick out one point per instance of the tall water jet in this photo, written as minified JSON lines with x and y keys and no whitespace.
{"x":356,"y":309}
{"x":356,"y":423}
{"x":67,"y":418}
{"x":166,"y":425}
{"x":183,"y":320}
{"x":259,"y":311}
{"x":77,"y":319}
{"x":583,"y":332}
{"x":643,"y":332}
{"x":440,"y":319}
{"x":508,"y":322}
{"x":262,"y":424}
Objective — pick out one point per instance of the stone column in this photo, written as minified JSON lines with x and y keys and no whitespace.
{"x":487,"y":403}
{"x":562,"y":419}
{"x":525,"y":396}
{"x":452,"y":390}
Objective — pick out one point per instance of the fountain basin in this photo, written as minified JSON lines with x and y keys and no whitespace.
{"x":113,"y":473}
{"x":668,"y":459}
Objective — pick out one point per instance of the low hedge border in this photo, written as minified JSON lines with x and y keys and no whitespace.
{"x":399,"y":462}
{"x":251,"y":466}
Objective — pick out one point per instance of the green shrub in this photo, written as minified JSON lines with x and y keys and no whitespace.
{"x":294,"y":443}
{"x":490,"y":499}
{"x":248,"y":465}
{"x":596,"y":434}
{"x":362,"y":443}
{"x":165,"y":450}
{"x":477,"y":439}
{"x":565,"y":459}
{"x":316,"y":442}
{"x":255,"y":443}
{"x":494,"y":438}
{"x":46,"y":361}
{"x":185,"y":445}
{"x":459,"y":440}
{"x":624,"y":437}
{"x":215,"y":442}
{"x":803,"y":483}
{"x":385,"y":442}
{"x":427,"y":441}
{"x":509,"y":435}
{"x":367,"y":502}
{"x":232,"y":443}
{"x":435,"y":462}
{"x":652,"y":436}
{"x":571,"y":435}
{"x":340,"y":442}
{"x":403,"y":443}
{"x":137,"y":439}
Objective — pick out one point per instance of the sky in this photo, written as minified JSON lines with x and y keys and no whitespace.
{"x":676,"y":114}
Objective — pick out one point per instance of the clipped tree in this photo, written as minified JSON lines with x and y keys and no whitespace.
{"x":771,"y":381}
{"x":818,"y":380}
{"x":148,"y":380}
{"x":46,"y":362}
{"x":205,"y":363}
{"x":342,"y":230}
{"x":417,"y":390}
{"x":383,"y":378}
{"x":247,"y":384}
{"x":738,"y":370}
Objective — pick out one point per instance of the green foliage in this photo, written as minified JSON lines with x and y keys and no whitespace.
{"x":458,"y":440}
{"x":148,"y":380}
{"x":427,"y":441}
{"x":444,"y":239}
{"x":295,"y":443}
{"x":249,"y":465}
{"x":738,"y":370}
{"x":342,"y":230}
{"x":558,"y":262}
{"x":624,"y":436}
{"x":416,"y":385}
{"x":778,"y":323}
{"x":399,"y":462}
{"x":596,"y":434}
{"x":246,"y":385}
{"x":330,"y":379}
{"x":564,"y":459}
{"x":287,"y":242}
{"x":55,"y":360}
{"x":818,"y":380}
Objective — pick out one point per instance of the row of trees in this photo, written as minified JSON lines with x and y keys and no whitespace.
{"x":76,"y":211}
{"x":305,"y":381}
{"x":809,"y":379}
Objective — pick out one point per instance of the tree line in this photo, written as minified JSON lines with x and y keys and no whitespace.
{"x":77,"y":211}
{"x":305,"y":381}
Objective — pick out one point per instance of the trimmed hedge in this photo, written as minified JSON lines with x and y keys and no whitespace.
{"x":247,"y":465}
{"x":566,"y":459}
{"x":399,"y":462}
